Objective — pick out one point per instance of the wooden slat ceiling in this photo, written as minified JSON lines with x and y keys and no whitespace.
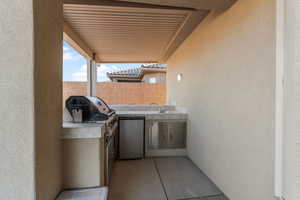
{"x":196,"y":4}
{"x":131,"y":33}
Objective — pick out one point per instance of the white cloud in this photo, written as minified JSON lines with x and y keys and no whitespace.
{"x":68,"y":56}
{"x":65,"y":48}
{"x":102,"y":72}
{"x":81,"y":75}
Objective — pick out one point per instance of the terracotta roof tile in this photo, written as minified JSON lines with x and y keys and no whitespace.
{"x":137,"y":73}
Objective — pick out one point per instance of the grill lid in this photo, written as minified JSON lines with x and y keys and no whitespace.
{"x":93,"y":109}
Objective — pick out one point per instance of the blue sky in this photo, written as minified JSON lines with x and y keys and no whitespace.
{"x":75,"y":67}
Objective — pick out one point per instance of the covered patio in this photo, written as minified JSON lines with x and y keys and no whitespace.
{"x":233,"y":68}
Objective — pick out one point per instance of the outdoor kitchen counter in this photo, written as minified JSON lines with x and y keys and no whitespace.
{"x":152,"y":115}
{"x":83,"y":152}
{"x":72,"y":130}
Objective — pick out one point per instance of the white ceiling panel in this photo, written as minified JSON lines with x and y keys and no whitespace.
{"x":131,"y":33}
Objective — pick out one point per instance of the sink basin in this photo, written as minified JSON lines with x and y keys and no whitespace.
{"x":163,"y":111}
{"x":167,"y":112}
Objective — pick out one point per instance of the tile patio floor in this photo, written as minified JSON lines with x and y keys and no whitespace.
{"x":171,"y":178}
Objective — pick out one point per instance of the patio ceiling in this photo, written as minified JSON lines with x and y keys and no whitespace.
{"x":195,"y":4}
{"x":115,"y":31}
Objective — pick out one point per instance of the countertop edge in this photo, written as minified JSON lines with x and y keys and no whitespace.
{"x":71,"y":130}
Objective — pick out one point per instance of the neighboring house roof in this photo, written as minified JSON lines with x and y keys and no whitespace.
{"x":137,"y":74}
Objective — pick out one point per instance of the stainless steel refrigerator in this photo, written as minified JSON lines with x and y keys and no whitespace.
{"x":131,"y":137}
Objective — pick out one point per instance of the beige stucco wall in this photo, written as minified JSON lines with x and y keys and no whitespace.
{"x":228,"y":67}
{"x":48,"y":95}
{"x":291,"y":107}
{"x":17,"y":105}
{"x":31,"y":107}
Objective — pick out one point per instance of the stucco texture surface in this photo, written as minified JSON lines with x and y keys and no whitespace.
{"x":48,"y":94}
{"x":17,"y":105}
{"x":228,"y":86}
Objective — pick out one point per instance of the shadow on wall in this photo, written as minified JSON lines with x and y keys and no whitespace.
{"x":120,"y":93}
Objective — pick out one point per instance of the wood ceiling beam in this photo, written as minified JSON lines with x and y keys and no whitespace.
{"x":73,"y":39}
{"x":193,"y":20}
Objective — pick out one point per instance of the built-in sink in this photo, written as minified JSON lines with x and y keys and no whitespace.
{"x":166,"y":111}
{"x":163,"y":110}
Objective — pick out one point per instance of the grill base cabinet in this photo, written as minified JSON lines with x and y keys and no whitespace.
{"x":166,"y":136}
{"x":83,"y":161}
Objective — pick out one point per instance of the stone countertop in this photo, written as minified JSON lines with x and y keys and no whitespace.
{"x":85,"y":194}
{"x":153,"y":115}
{"x":82,"y":125}
{"x":72,"y":130}
{"x":142,"y":107}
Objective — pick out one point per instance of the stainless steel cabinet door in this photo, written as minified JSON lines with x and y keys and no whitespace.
{"x":163,"y":135}
{"x":131,"y":141}
{"x":167,"y":135}
{"x":176,"y":135}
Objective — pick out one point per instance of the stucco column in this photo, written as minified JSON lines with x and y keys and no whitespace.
{"x":31,"y":100}
{"x":92,"y":77}
{"x":291,"y":104}
{"x":17,"y":104}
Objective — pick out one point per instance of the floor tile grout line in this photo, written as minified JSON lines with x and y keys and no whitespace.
{"x":207,"y":196}
{"x":193,"y":198}
{"x":214,"y":195}
{"x":160,"y":178}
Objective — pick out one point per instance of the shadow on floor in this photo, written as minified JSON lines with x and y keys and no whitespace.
{"x":171,"y":178}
